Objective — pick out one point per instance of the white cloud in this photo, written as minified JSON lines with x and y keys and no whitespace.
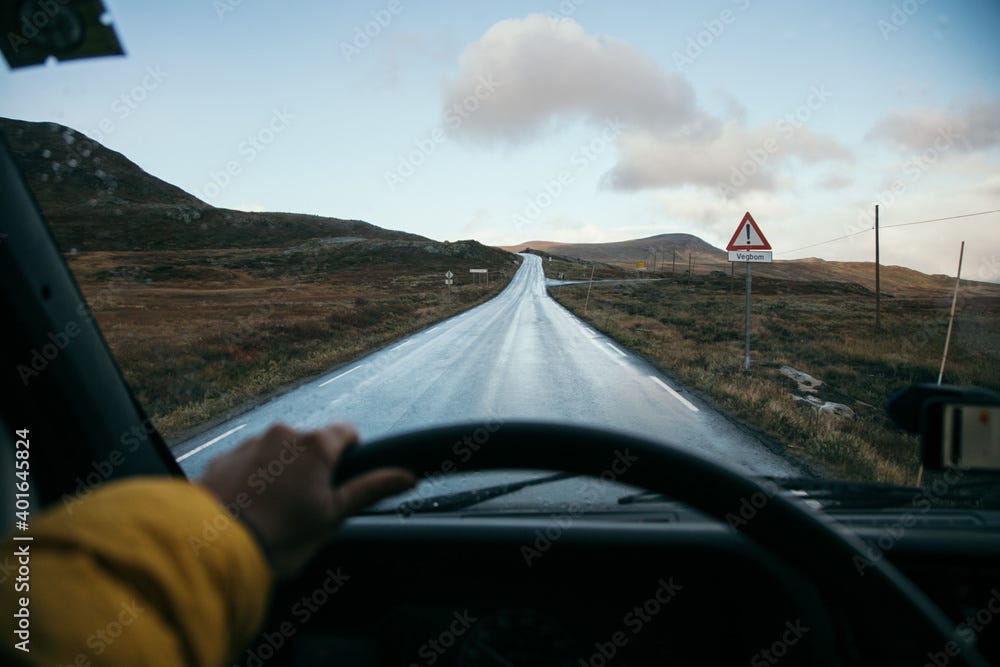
{"x":547,"y":69}
{"x":525,"y":76}
{"x":972,"y":127}
{"x":734,"y":160}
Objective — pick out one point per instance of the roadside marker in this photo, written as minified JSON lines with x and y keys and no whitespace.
{"x":748,"y":237}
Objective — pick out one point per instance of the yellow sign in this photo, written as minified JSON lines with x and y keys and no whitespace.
{"x":640,"y":265}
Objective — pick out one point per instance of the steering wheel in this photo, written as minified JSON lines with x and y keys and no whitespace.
{"x":782,"y":525}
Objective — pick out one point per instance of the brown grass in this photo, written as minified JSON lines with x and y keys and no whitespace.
{"x":693,"y":329}
{"x":202,"y":334}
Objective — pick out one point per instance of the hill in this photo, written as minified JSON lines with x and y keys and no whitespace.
{"x":670,"y":254}
{"x":209,"y":311}
{"x":97,"y":199}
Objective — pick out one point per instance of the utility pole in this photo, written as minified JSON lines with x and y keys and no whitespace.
{"x":673,"y":267}
{"x":878,"y":282}
{"x":951,"y":319}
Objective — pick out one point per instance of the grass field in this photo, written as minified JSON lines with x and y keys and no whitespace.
{"x":692,"y":328}
{"x":200,"y":334}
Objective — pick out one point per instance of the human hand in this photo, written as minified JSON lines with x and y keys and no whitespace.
{"x":287,"y":476}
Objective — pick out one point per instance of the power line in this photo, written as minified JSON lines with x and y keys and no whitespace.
{"x":952,"y":217}
{"x":839,"y":238}
{"x":900,"y":224}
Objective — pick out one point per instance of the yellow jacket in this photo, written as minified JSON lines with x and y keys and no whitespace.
{"x":148,"y":571}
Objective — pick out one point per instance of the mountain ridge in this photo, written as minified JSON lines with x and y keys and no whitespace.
{"x":674,"y":252}
{"x":95,"y":198}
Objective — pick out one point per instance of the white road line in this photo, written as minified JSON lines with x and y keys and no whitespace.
{"x":339,"y":376}
{"x":401,"y":345}
{"x":687,"y":404}
{"x":434,"y":329}
{"x":210,"y":443}
{"x":616,"y":349}
{"x":611,"y":355}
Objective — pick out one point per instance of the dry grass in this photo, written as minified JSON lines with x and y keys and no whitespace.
{"x":202,"y":334}
{"x":693,"y":329}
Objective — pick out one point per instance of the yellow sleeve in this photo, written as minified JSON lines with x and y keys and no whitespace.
{"x":147,"y":571}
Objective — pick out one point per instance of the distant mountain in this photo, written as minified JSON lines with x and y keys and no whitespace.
{"x":627,"y":253}
{"x":97,"y":199}
{"x":674,"y":251}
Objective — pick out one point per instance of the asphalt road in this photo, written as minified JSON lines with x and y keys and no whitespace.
{"x":519,"y":356}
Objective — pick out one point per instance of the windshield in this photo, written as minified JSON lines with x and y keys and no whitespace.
{"x":730,"y":226}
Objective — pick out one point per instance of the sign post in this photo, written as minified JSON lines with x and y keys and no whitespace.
{"x":448,"y":281}
{"x":748,"y":245}
{"x":485,"y":272}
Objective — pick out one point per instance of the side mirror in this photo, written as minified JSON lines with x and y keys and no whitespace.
{"x":959,"y":427}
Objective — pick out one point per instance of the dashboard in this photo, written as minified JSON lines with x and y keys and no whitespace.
{"x":531,"y":591}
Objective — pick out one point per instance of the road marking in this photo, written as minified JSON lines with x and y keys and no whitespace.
{"x":210,"y":443}
{"x":687,"y":404}
{"x":616,"y":349}
{"x":434,"y":329}
{"x":340,"y":376}
{"x":401,"y":345}
{"x":611,"y":355}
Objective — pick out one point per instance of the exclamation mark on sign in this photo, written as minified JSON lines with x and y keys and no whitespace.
{"x":748,"y":233}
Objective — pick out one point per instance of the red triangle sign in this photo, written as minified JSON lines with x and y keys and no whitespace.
{"x":748,"y":236}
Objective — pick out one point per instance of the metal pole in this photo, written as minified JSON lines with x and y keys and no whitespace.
{"x":746,"y":322}
{"x":878,"y":283}
{"x":951,"y":319}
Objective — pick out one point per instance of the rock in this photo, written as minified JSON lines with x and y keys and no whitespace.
{"x":836,"y":409}
{"x":826,"y":407}
{"x":806,"y":382}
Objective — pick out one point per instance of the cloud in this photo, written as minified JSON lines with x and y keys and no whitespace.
{"x":973,"y":127}
{"x":836,"y":182}
{"x":525,"y":76}
{"x":543,"y":70}
{"x":735,"y":159}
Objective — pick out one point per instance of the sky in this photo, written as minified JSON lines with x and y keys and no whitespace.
{"x":566,"y":120}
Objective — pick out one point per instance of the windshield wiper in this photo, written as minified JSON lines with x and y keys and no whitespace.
{"x":451,"y":502}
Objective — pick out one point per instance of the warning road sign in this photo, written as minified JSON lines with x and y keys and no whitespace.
{"x":748,"y":236}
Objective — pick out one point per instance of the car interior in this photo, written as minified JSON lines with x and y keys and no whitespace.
{"x":693,"y":563}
